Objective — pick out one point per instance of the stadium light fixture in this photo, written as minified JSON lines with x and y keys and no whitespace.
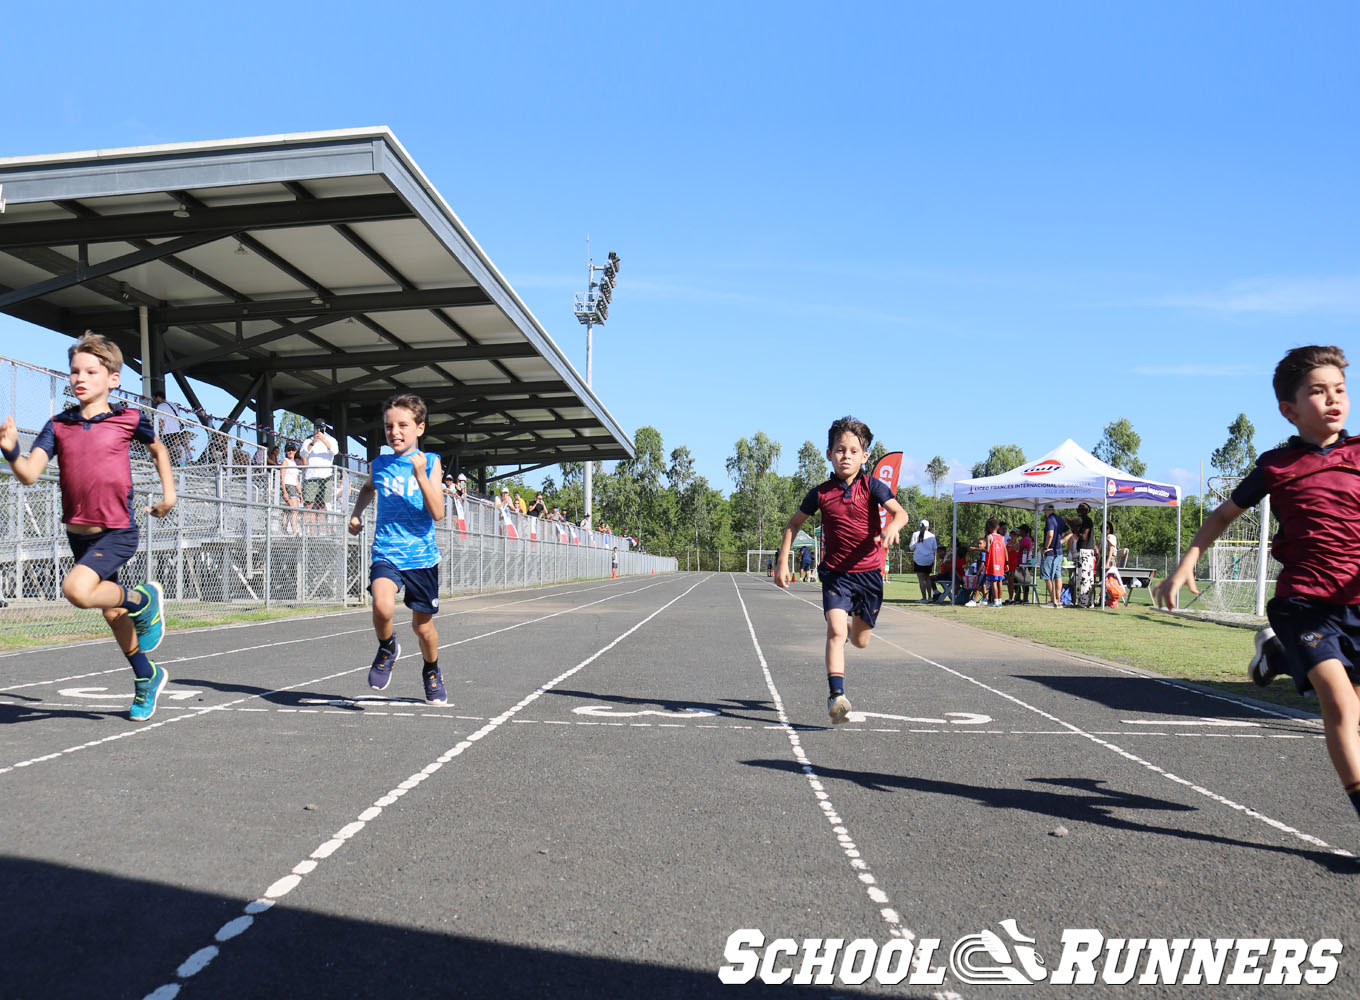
{"x":592,"y":310}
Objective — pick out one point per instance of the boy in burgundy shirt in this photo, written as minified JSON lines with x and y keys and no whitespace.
{"x":90,"y":440}
{"x":853,"y":543}
{"x":1314,"y":487}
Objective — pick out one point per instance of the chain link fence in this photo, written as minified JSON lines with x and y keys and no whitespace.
{"x":233,"y":544}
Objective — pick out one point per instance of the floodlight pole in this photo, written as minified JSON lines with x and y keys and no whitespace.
{"x":593,"y":310}
{"x":590,"y":466}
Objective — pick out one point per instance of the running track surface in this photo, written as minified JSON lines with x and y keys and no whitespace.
{"x":628,"y":772}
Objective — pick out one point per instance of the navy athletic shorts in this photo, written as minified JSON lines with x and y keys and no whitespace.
{"x":421,"y":585}
{"x":859,"y":594}
{"x":1311,"y":632}
{"x":106,"y":551}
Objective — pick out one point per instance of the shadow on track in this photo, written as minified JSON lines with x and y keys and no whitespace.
{"x":290,"y":699}
{"x":1151,"y":697}
{"x":1088,"y":803}
{"x":90,"y":934}
{"x":37,"y":713}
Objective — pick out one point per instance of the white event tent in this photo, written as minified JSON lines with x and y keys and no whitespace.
{"x":1066,"y":476}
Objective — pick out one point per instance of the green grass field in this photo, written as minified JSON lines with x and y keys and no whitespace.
{"x":1138,"y":635}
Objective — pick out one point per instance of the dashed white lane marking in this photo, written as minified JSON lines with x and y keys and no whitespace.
{"x":374,"y":707}
{"x":1279,"y":825}
{"x":890,"y":916}
{"x":277,"y":621}
{"x":281,"y":887}
{"x":1226,"y":723}
{"x":1283,"y":827}
{"x":208,"y":709}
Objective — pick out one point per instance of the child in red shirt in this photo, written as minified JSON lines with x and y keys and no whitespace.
{"x":1314,"y":487}
{"x":851,"y":572}
{"x":993,"y":548}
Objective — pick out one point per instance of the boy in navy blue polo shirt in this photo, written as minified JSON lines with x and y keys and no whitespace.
{"x":1314,"y":487}
{"x":90,"y":440}
{"x":851,"y":571}
{"x":405,"y":553}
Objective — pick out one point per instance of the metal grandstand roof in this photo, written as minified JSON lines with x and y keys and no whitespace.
{"x":316,"y":272}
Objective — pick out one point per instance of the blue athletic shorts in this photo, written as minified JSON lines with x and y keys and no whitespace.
{"x":1311,"y":632}
{"x":106,"y":551}
{"x":421,"y":585}
{"x":859,"y":594}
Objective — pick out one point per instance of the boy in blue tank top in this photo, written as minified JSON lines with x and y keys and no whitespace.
{"x":405,"y":554}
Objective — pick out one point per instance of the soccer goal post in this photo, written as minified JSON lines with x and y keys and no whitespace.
{"x":761,"y":560}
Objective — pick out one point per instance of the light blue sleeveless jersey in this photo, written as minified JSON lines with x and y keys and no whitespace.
{"x":405,"y":532}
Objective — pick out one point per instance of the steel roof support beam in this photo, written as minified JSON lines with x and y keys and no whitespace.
{"x":336,"y":306}
{"x":218,"y":222}
{"x":359,"y":359}
{"x":84,"y":271}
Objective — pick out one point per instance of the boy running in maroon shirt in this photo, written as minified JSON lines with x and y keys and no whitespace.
{"x":1314,"y":487}
{"x":851,"y":572}
{"x":90,"y":440}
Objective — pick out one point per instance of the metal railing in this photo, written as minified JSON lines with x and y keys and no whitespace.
{"x":233,"y":544}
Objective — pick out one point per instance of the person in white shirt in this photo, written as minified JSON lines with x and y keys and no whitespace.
{"x":169,"y":428}
{"x":923,"y":546}
{"x":318,"y":459}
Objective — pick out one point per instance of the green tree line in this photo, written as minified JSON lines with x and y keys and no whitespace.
{"x":658,"y":498}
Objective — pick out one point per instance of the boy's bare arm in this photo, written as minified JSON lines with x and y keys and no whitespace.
{"x":361,"y":501}
{"x":161,"y":456}
{"x":782,"y":576}
{"x":429,"y":485}
{"x":889,"y":535}
{"x":27,"y":468}
{"x":1167,"y":593}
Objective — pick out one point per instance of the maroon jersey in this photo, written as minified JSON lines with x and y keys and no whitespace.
{"x":1315,"y":492}
{"x":849,"y":522}
{"x":94,"y":469}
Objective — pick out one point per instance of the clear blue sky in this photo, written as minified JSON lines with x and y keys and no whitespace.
{"x":966,"y":223}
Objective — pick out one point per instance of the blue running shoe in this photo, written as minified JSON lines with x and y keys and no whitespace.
{"x":148,"y":689}
{"x":380,"y":674}
{"x":147,"y":621}
{"x":434,"y":688}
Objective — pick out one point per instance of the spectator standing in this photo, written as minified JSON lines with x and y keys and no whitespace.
{"x":1084,"y":573}
{"x":291,"y":485}
{"x":318,"y":458}
{"x":923,"y":547}
{"x":993,"y":549}
{"x":170,"y":429}
{"x":538,"y":508}
{"x":1023,"y":574}
{"x":1050,"y":566}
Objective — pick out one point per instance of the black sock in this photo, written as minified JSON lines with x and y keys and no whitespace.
{"x":1354,"y":793}
{"x":388,"y":644}
{"x":431,"y":666}
{"x":836,"y":683}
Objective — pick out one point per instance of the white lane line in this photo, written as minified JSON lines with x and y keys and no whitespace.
{"x":1279,"y":825}
{"x":279,"y":621}
{"x":206,"y":710}
{"x":863,"y":872}
{"x":282,"y":886}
